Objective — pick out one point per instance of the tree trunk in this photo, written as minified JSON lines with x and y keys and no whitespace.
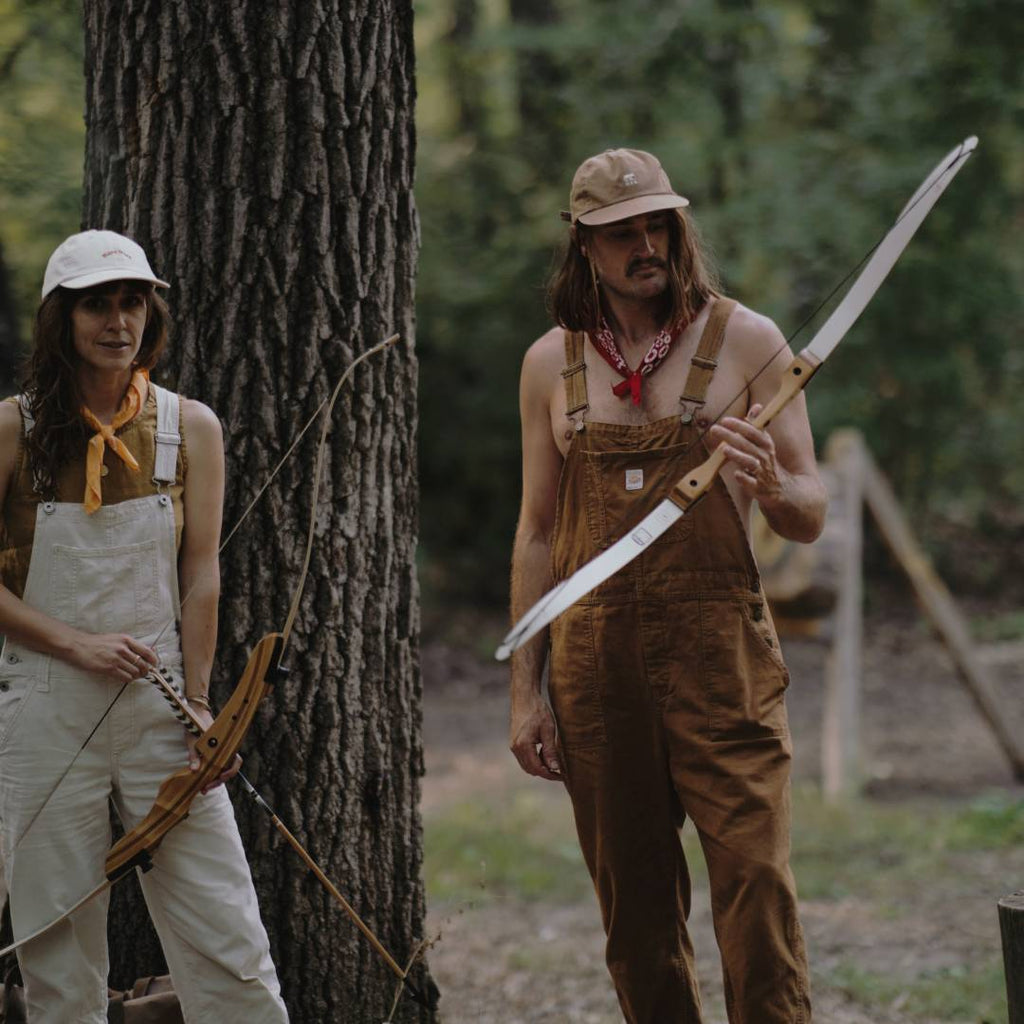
{"x":262,"y":152}
{"x":541,"y":76}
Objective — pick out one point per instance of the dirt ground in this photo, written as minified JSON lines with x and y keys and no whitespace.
{"x":531,"y":961}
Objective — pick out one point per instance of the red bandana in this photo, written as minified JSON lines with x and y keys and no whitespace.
{"x":604,"y":341}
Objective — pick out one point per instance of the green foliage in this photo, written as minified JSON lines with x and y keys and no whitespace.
{"x":42,"y":137}
{"x":797,"y":129}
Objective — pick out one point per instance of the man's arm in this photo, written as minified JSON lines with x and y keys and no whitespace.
{"x":775,"y":467}
{"x":532,"y":735}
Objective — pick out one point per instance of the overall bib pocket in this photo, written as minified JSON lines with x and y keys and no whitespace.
{"x":623,"y":486}
{"x":107,"y":590}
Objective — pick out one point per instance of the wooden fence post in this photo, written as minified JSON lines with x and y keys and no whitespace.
{"x":941,"y":609}
{"x":1011,"y":924}
{"x":840,"y":740}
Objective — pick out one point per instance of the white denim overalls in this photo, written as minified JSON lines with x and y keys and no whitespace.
{"x":115,"y":571}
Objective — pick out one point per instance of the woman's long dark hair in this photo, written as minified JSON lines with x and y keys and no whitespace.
{"x":50,"y":382}
{"x":573,"y":299}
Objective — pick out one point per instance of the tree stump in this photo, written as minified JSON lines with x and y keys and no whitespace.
{"x":1011,"y":924}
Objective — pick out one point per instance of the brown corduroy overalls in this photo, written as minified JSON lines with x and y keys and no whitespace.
{"x":668,"y":688}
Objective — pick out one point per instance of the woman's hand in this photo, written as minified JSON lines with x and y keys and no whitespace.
{"x":205,"y":721}
{"x":115,"y":655}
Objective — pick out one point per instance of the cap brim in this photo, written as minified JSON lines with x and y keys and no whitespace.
{"x":103,"y":276}
{"x":632,"y":207}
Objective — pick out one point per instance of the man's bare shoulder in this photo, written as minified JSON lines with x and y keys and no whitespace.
{"x":754,"y":339}
{"x":547,"y":353}
{"x":544,"y":360}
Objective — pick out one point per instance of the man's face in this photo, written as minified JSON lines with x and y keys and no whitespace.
{"x":631,"y":256}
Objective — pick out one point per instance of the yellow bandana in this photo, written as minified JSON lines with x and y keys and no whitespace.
{"x":130,"y":406}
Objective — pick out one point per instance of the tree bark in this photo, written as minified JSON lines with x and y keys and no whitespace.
{"x":262,"y":152}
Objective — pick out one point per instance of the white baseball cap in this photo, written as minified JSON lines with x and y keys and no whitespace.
{"x":93,"y":257}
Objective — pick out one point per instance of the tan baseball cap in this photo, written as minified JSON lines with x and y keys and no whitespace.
{"x":617,"y":184}
{"x":95,"y":257}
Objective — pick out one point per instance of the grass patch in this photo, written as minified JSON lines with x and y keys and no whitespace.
{"x":878,"y":850}
{"x":517,"y":845}
{"x":524,"y":848}
{"x":1000,"y":627}
{"x":958,"y":993}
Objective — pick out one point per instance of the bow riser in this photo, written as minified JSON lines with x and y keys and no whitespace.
{"x":692,"y":487}
{"x":216,"y":749}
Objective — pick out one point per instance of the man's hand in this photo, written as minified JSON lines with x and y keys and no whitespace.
{"x":751,"y":452}
{"x":533,"y":727}
{"x":205,"y":721}
{"x":115,"y":655}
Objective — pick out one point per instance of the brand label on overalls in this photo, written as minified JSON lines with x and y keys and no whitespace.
{"x":634,"y":479}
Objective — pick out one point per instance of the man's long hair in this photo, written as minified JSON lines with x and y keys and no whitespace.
{"x":50,"y":382}
{"x":573,"y":296}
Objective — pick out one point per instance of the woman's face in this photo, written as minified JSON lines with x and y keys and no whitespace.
{"x":107,"y":325}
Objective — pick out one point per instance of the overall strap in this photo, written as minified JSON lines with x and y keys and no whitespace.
{"x":27,"y":420}
{"x":575,"y":376}
{"x":168,"y":436}
{"x":705,"y":359}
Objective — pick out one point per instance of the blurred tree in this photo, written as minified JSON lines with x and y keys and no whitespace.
{"x":541,"y":75}
{"x":263,"y":155}
{"x":41,"y":139}
{"x":797,"y":128}
{"x":9,"y":347}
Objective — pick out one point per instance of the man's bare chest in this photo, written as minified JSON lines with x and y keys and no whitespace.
{"x":663,"y":393}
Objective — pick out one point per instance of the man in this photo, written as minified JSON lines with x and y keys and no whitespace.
{"x":666,"y":682}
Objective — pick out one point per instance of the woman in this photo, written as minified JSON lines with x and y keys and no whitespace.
{"x":111,"y":490}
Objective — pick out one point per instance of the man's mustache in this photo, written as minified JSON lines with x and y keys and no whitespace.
{"x":647,"y":264}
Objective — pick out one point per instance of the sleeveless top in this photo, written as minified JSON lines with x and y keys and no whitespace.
{"x":18,"y":518}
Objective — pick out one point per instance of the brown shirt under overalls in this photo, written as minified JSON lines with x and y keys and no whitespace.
{"x":668,"y":688}
{"x":119,"y":482}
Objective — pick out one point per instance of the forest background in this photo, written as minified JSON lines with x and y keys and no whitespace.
{"x":796,"y":127}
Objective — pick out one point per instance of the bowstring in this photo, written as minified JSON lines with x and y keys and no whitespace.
{"x":703,"y":432}
{"x":828,"y":298}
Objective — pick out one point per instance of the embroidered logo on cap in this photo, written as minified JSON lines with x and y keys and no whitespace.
{"x":117,"y":252}
{"x":630,"y":179}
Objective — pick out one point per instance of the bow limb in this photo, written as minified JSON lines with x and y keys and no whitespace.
{"x":692,"y":487}
{"x":430,"y":998}
{"x":216,"y":748}
{"x":181,"y":709}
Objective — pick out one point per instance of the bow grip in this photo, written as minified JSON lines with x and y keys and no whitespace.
{"x":695,"y":484}
{"x":216,"y":749}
